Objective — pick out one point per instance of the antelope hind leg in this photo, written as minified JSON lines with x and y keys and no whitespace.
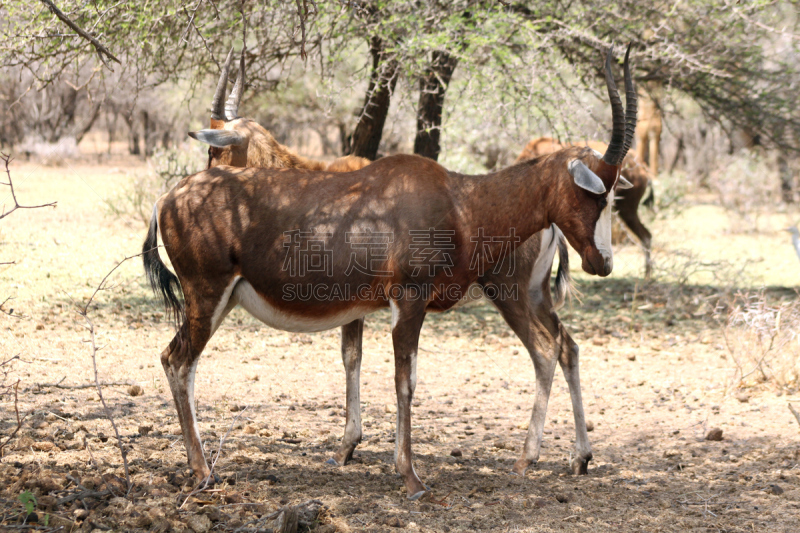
{"x":352,"y":335}
{"x":569,"y":365}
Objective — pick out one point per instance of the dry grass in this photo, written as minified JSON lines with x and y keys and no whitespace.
{"x":656,"y":377}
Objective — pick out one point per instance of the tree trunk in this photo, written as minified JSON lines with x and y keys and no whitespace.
{"x":432,"y":89}
{"x":369,"y":130}
{"x":147,"y":135}
{"x":786,"y":177}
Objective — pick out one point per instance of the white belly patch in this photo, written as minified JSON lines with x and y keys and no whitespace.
{"x":247,"y":297}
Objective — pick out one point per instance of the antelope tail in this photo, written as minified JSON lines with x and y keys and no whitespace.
{"x":563,"y":279}
{"x":163,"y":282}
{"x":650,"y":200}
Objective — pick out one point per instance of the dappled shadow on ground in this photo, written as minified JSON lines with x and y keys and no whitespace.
{"x":654,"y":378}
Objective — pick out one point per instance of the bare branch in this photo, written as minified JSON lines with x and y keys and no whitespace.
{"x":97,"y":44}
{"x":19,"y":420}
{"x":795,"y":413}
{"x":7,"y":159}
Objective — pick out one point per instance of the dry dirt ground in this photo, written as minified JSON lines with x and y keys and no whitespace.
{"x":656,"y":379}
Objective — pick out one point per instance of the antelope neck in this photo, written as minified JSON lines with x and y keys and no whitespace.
{"x":512,"y":199}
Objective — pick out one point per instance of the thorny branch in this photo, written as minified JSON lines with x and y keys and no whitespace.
{"x":84,"y":312}
{"x":795,"y":413}
{"x":19,"y":420}
{"x":101,"y":50}
{"x":123,"y":452}
{"x":7,"y":160}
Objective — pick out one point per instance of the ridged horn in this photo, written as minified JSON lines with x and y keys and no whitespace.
{"x":232,"y":105}
{"x":217,"y":105}
{"x":630,"y":105}
{"x":613,"y":155}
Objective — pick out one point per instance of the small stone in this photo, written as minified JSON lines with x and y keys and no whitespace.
{"x":235,"y":408}
{"x":233,"y":497}
{"x":538,"y":503}
{"x":390,"y":408}
{"x":715,"y":434}
{"x":394,"y":521}
{"x":43,"y":446}
{"x":135,"y":390}
{"x":632,"y":357}
{"x":144,"y":430}
{"x":455,"y":452}
{"x":250,"y":430}
{"x":39,"y":327}
{"x":774,"y":489}
{"x":743,"y":397}
{"x":199,"y":523}
{"x":664,"y":504}
{"x":589,"y":425}
{"x":562,"y":497}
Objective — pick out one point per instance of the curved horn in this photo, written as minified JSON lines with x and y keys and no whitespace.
{"x":613,"y":154}
{"x":232,"y":105}
{"x":217,"y":106}
{"x":630,"y":105}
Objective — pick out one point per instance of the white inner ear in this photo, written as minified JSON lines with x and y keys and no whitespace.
{"x":217,"y":138}
{"x":585,"y":178}
{"x":622,"y":183}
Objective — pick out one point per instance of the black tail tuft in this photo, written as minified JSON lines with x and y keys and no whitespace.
{"x":162,"y":281}
{"x":650,"y":200}
{"x":563,"y":279}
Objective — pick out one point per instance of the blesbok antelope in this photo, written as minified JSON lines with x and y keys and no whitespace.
{"x":532,"y":261}
{"x":626,"y":202}
{"x":242,"y":142}
{"x":648,"y":127}
{"x":236,"y":236}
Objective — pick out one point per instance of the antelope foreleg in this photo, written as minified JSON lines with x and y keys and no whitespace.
{"x":407,"y":321}
{"x":545,"y":367}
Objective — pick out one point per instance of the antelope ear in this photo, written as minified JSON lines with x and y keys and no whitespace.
{"x":585,"y":178}
{"x":622,"y":183}
{"x":217,"y":138}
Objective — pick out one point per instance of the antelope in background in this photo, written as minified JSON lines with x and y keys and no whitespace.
{"x":626,"y":201}
{"x":225,"y":231}
{"x":242,"y":142}
{"x":648,"y":127}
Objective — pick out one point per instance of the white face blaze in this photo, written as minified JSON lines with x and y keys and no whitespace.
{"x":602,"y":232}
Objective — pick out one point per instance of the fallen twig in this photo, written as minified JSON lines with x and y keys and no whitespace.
{"x":82,"y":495}
{"x":795,"y":413}
{"x":84,"y":386}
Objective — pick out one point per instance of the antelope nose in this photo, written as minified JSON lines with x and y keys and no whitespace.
{"x":608,"y":266}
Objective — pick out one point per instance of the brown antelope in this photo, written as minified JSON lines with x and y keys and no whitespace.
{"x":242,"y":142}
{"x":533,"y":263}
{"x":227,"y":231}
{"x":532,"y":260}
{"x":648,"y":127}
{"x":626,"y":202}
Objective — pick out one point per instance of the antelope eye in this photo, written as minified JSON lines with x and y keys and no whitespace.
{"x":602,"y":202}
